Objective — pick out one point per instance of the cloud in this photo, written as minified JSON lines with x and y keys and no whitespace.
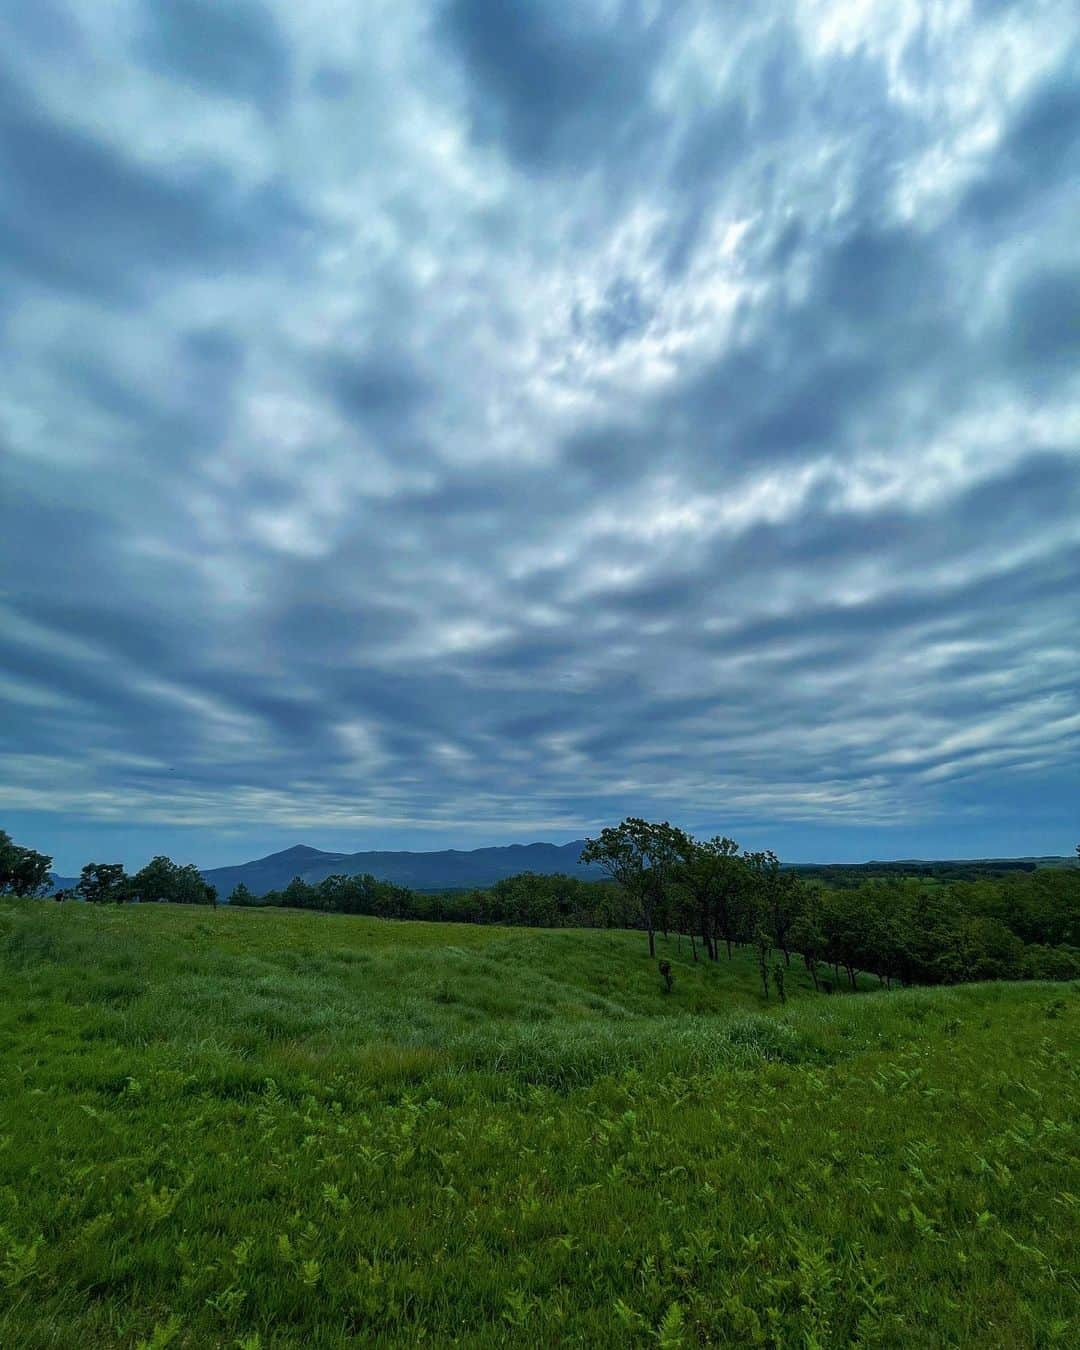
{"x":1039,"y":149}
{"x":81,"y":216}
{"x":467,"y":421}
{"x":559,"y":86}
{"x":234,"y":51}
{"x":1044,"y":323}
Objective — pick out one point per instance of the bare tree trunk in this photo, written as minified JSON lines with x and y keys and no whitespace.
{"x":652,"y":941}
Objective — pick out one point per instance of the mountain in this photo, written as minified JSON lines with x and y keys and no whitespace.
{"x":422,"y":871}
{"x":452,"y":868}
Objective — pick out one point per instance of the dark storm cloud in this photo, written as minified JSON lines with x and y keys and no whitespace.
{"x":490,"y":418}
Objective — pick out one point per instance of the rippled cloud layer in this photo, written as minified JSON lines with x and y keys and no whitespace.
{"x":476,"y":421}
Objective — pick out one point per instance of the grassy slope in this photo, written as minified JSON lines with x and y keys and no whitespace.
{"x":258,"y":1128}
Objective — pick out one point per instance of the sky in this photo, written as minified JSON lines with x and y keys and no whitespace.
{"x":458,"y":423}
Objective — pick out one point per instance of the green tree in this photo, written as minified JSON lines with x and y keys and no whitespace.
{"x":807,"y":936}
{"x":783,"y":896}
{"x":163,"y":880}
{"x":692,"y":879}
{"x":241,"y":895}
{"x":156,"y":881}
{"x":732,"y":916}
{"x":23,"y":871}
{"x":101,"y":882}
{"x":846,"y":918}
{"x":641,"y":857}
{"x":696,"y":876}
{"x":189,"y":888}
{"x":763,"y":946}
{"x":299,"y":894}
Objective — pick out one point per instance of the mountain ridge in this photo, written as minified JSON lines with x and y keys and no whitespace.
{"x":429,"y":870}
{"x":449,"y":869}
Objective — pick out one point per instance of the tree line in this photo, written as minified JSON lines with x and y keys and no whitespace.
{"x":1024,"y":925}
{"x":527,"y":900}
{"x":717,"y":897}
{"x":24,"y":871}
{"x":710,"y":893}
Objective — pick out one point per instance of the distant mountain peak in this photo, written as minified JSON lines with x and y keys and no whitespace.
{"x":438,"y":869}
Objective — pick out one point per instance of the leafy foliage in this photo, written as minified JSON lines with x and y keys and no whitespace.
{"x":102,"y":882}
{"x":23,"y":871}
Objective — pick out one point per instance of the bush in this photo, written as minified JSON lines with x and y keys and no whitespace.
{"x":1050,"y":963}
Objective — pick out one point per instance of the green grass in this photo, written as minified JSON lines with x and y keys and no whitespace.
{"x":276,"y":1129}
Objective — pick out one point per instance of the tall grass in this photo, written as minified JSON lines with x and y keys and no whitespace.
{"x":266,"y":1129}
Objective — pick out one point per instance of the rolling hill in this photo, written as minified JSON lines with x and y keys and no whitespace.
{"x":266,"y":1128}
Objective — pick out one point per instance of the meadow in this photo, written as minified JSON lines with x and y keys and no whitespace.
{"x":260,"y":1128}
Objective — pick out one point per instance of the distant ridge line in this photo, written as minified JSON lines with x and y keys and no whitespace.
{"x":454,"y":869}
{"x":432,"y":870}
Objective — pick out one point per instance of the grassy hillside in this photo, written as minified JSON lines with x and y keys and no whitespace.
{"x":263,"y":1129}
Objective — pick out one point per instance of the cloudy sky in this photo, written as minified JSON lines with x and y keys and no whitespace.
{"x":471,"y":422}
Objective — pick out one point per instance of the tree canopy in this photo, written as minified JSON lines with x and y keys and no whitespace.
{"x":23,"y":871}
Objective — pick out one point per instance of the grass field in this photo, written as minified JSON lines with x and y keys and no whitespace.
{"x":264,"y":1129}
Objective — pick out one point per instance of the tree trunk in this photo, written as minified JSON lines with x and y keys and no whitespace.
{"x":652,"y":942}
{"x":693,"y":947}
